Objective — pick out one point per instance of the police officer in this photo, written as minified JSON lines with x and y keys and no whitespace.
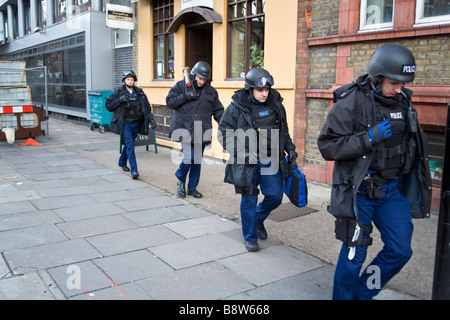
{"x":254,"y":131}
{"x":380,"y":174}
{"x":195,"y":101}
{"x":131,"y":114}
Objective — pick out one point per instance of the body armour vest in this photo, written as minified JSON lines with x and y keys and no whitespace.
{"x":134,"y":111}
{"x":389,"y":156}
{"x":265,"y":119}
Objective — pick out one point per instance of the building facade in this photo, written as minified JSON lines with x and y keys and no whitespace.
{"x":72,"y":40}
{"x":233,"y":36}
{"x":338,"y":44}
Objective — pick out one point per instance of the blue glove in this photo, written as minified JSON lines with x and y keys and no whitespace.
{"x":380,"y":132}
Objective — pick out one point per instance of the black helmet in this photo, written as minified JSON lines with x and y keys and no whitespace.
{"x":392,"y":61}
{"x":128,"y":74}
{"x":202,"y":69}
{"x":258,"y":78}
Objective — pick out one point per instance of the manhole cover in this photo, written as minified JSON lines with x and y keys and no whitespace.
{"x":288,"y":211}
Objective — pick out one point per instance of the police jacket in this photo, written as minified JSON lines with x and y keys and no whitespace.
{"x":344,"y":138}
{"x":238,"y":115}
{"x":118,"y":110}
{"x":193,"y":114}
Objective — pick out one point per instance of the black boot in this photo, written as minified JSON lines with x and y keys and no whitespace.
{"x":181,"y":189}
{"x":262,"y":233}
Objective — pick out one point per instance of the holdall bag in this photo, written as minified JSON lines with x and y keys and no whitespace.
{"x":295,"y":187}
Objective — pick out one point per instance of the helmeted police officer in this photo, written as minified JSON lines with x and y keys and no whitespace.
{"x":254,"y":131}
{"x":380,"y":174}
{"x":131,"y":114}
{"x":195,"y":101}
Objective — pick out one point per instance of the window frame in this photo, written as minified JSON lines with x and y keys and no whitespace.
{"x":163,"y":14}
{"x":130,"y":38}
{"x":428,"y":21}
{"x":363,"y":27}
{"x":247,"y":18}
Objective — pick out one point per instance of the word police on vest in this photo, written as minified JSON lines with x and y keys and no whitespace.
{"x":396,"y":115}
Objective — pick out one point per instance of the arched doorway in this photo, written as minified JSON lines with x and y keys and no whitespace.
{"x":198,"y":22}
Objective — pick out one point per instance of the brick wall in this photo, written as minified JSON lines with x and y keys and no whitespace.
{"x":317,"y":112}
{"x":124,"y":58}
{"x":324,"y":18}
{"x":432,"y":58}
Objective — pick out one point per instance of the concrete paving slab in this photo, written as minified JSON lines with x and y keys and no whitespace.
{"x":312,"y":285}
{"x":63,"y":202}
{"x":29,"y":286}
{"x":113,"y":196}
{"x":134,"y":239}
{"x":150,"y":217}
{"x":202,"y":226}
{"x":132,"y":266}
{"x":18,"y":195}
{"x":270,"y":265}
{"x":16,"y":207}
{"x":88,"y":211}
{"x":50,"y":255}
{"x":148,"y":203}
{"x":95,"y":226}
{"x":203,"y":282}
{"x":191,"y":211}
{"x":79,"y":278}
{"x":198,"y":250}
{"x":127,"y":291}
{"x":28,"y":219}
{"x":30,"y":237}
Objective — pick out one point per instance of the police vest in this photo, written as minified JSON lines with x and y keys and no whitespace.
{"x":389,"y":156}
{"x":265,"y":119}
{"x":134,"y":111}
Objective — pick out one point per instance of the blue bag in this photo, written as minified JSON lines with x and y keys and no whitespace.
{"x":295,"y":187}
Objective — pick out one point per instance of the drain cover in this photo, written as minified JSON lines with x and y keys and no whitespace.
{"x":288,"y":211}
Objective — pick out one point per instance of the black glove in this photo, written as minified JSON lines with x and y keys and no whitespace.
{"x":152,"y":124}
{"x":192,"y":95}
{"x":124,"y":98}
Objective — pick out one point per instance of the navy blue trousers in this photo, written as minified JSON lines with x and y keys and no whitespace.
{"x":191,"y":164}
{"x":391,"y":215}
{"x":253,"y":213}
{"x":129,"y":134}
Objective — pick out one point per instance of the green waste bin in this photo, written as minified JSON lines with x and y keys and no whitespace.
{"x":100,"y":116}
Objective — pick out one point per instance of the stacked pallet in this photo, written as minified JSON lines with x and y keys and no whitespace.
{"x":18,"y":117}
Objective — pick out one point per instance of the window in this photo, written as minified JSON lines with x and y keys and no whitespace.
{"x":162,"y":41}
{"x":436,"y":148}
{"x":60,"y":10}
{"x":246,"y":40}
{"x":376,"y":15}
{"x":162,"y":117}
{"x":123,"y":38}
{"x":431,"y":12}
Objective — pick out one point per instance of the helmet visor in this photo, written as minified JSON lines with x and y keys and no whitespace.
{"x":264,"y":81}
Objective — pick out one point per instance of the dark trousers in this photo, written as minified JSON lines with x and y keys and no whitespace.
{"x":253,"y":213}
{"x":129,"y":134}
{"x":391,"y":215}
{"x":191,"y":164}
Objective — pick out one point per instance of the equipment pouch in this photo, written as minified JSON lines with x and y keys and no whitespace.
{"x":345,"y":230}
{"x":373,"y":188}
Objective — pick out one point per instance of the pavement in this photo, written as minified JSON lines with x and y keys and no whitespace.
{"x":74,"y":226}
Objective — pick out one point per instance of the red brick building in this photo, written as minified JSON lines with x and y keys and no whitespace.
{"x":334,"y":44}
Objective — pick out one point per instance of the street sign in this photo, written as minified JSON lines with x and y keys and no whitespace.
{"x":119,"y":17}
